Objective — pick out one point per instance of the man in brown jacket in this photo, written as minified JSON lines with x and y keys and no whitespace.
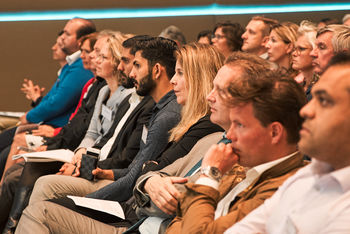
{"x":264,"y":133}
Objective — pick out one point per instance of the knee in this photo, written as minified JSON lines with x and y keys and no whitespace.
{"x":43,"y":187}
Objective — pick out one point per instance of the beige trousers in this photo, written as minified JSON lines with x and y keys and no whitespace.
{"x":48,"y":217}
{"x":56,"y":186}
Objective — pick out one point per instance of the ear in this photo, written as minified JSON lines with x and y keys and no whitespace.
{"x":290,"y":48}
{"x":156,"y":71}
{"x":276,"y":131}
{"x":264,"y":41}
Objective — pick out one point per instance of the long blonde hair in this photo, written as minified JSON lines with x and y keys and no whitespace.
{"x":200,"y":63}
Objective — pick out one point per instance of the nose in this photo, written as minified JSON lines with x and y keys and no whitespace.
{"x":244,"y":35}
{"x":230,"y":134}
{"x":132,"y":74}
{"x":314,"y":53}
{"x":308,"y":111}
{"x":210,"y":96}
{"x":120,"y":67}
{"x":268,"y":46}
{"x":173,"y":80}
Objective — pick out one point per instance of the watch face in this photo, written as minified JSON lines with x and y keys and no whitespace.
{"x":214,"y":171}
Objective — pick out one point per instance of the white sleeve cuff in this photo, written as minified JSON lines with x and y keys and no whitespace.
{"x":208,"y":182}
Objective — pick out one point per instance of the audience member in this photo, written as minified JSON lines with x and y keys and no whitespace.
{"x":112,"y":95}
{"x":329,"y":40}
{"x":256,"y":35}
{"x":69,"y":137}
{"x":227,"y":37}
{"x":174,"y":33}
{"x":57,"y":105}
{"x":204,"y":37}
{"x":187,"y":58}
{"x":280,"y":45}
{"x":346,"y":19}
{"x":326,"y":21}
{"x":302,"y":60}
{"x":263,"y":139}
{"x":316,"y":198}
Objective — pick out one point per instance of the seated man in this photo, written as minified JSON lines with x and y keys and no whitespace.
{"x":46,"y":215}
{"x":264,"y":132}
{"x":317,"y":198}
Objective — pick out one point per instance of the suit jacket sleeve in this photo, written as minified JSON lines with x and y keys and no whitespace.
{"x":129,"y":143}
{"x":196,"y":211}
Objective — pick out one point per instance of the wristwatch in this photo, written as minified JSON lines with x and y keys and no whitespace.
{"x":212,"y":172}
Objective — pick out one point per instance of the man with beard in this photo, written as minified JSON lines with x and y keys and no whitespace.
{"x":118,"y":146}
{"x":153,"y":66}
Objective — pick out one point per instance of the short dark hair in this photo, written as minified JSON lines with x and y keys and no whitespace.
{"x":92,"y":38}
{"x":275,"y":98}
{"x":233,"y":33}
{"x":342,"y":58}
{"x":158,"y":50}
{"x":130,"y":43}
{"x":205,"y":33}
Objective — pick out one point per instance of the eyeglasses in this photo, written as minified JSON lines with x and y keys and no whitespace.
{"x":298,"y":50}
{"x":217,"y":36}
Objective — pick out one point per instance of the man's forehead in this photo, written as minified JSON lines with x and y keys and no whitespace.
{"x":325,"y":37}
{"x":126,"y":52}
{"x":227,"y":74}
{"x":334,"y":81}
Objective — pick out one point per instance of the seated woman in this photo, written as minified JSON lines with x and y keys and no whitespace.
{"x":280,"y":45}
{"x":227,"y":37}
{"x":196,"y":68}
{"x":109,"y":96}
{"x":302,"y":60}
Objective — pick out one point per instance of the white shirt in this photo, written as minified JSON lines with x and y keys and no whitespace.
{"x":134,"y":100}
{"x":73,"y":57}
{"x":315,"y":200}
{"x":251,"y":175}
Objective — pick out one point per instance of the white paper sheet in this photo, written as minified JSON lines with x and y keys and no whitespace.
{"x":109,"y":207}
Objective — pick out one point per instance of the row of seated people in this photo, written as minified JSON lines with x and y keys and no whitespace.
{"x":145,"y":129}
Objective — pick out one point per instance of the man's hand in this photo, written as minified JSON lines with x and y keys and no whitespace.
{"x":23,"y":119}
{"x":41,"y":148}
{"x":220,"y":156}
{"x":68,"y":169}
{"x":32,"y":92}
{"x":103,"y":174}
{"x":44,"y":130}
{"x":78,"y":155}
{"x":163,"y":192}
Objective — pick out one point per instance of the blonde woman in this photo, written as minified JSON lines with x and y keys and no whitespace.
{"x":302,"y":60}
{"x":107,"y":51}
{"x":196,"y":67}
{"x":281,"y":43}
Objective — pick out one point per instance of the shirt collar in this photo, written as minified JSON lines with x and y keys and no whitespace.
{"x":265,"y":166}
{"x":73,"y":57}
{"x":165,"y":99}
{"x":264,"y":56}
{"x":342,"y":176}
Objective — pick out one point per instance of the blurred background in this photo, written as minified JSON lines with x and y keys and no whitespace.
{"x":25,"y":46}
